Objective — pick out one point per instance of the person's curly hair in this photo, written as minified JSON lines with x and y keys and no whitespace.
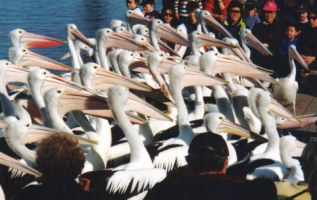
{"x":60,"y":156}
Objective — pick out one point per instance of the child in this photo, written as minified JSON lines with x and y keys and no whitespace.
{"x":291,"y":38}
{"x":251,"y":17}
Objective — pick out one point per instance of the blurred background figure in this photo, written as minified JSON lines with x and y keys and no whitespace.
{"x":217,"y":8}
{"x":191,"y":23}
{"x":250,"y":14}
{"x":134,"y":5}
{"x":149,"y":9}
{"x":180,"y":7}
{"x":168,"y":16}
{"x":234,"y":23}
{"x":302,"y":17}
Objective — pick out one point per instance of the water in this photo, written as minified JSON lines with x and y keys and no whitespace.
{"x":50,"y":18}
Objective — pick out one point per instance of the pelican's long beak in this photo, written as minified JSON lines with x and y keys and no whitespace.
{"x":15,"y":164}
{"x":280,"y":110}
{"x":15,"y":74}
{"x":32,"y":40}
{"x":163,"y":67}
{"x":303,"y":121}
{"x":133,"y":43}
{"x":33,"y":59}
{"x":198,"y":78}
{"x":53,"y":81}
{"x":140,"y":106}
{"x":79,"y":36}
{"x":212,"y":22}
{"x":206,"y":40}
{"x":104,"y":79}
{"x":253,"y":42}
{"x":227,"y":126}
{"x":293,"y":53}
{"x":37,"y":133}
{"x":165,"y":31}
{"x":89,"y":104}
{"x":135,"y":18}
{"x":76,"y":100}
{"x":232,"y":65}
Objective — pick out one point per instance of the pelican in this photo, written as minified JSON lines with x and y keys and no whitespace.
{"x":24,"y":39}
{"x":23,"y":57}
{"x":285,"y":89}
{"x":140,"y":171}
{"x":287,"y":146}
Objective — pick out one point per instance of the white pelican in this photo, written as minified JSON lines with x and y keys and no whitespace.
{"x":285,"y":89}
{"x":287,"y":147}
{"x":23,"y":57}
{"x":139,"y":174}
{"x":24,"y":39}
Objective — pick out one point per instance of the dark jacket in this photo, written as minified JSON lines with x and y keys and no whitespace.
{"x":54,"y":191}
{"x":235,"y":29}
{"x":215,"y":187}
{"x":152,"y":15}
{"x":270,"y":34}
{"x":307,"y":45}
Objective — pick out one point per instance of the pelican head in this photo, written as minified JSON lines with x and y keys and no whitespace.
{"x":23,"y":57}
{"x":293,"y":53}
{"x":249,"y":39}
{"x":206,"y":17}
{"x":74,"y":33}
{"x":21,"y":38}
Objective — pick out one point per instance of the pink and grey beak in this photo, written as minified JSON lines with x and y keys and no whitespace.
{"x":212,"y":22}
{"x":231,"y":65}
{"x":227,"y":126}
{"x":253,"y":42}
{"x":206,"y":40}
{"x":279,"y":110}
{"x":104,"y":79}
{"x":37,"y":133}
{"x":302,"y":121}
{"x":52,"y":81}
{"x":198,"y":78}
{"x":165,"y":31}
{"x":140,"y":106}
{"x":16,"y":164}
{"x":293,"y":53}
{"x":32,"y":40}
{"x":79,"y":36}
{"x":14,"y":74}
{"x":30,"y":58}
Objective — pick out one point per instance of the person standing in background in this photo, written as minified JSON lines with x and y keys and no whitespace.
{"x":217,"y":8}
{"x":134,"y":6}
{"x":250,"y":14}
{"x":180,"y":9}
{"x":148,"y":9}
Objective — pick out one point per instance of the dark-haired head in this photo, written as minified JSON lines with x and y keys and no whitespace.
{"x":207,"y":152}
{"x":59,"y":157}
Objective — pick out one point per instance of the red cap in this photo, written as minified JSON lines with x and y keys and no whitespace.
{"x":270,"y":6}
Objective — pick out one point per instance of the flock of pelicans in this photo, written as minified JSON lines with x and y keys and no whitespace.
{"x":136,"y":104}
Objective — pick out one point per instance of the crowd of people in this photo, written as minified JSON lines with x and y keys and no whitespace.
{"x":278,"y":24}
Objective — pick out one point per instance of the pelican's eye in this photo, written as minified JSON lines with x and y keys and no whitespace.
{"x":142,"y":39}
{"x":44,"y":73}
{"x":23,"y":50}
{"x":28,"y":125}
{"x":131,"y":54}
{"x":161,"y":54}
{"x":221,"y":118}
{"x":216,"y":54}
{"x":108,"y":31}
{"x":20,"y":31}
{"x":71,"y":27}
{"x":95,"y":67}
{"x":198,"y":33}
{"x":59,"y":91}
{"x":7,"y":63}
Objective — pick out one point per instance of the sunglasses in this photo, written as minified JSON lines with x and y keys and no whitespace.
{"x":167,"y":14}
{"x":312,"y":17}
{"x":235,"y":11}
